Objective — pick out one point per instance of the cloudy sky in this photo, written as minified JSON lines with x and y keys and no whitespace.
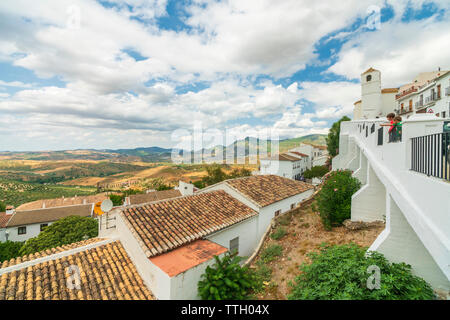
{"x":131,"y":73}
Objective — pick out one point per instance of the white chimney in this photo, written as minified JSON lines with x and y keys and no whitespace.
{"x":43,"y":204}
{"x":10,"y":210}
{"x":84,"y":201}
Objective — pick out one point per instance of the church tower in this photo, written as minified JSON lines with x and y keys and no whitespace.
{"x":371,"y":102}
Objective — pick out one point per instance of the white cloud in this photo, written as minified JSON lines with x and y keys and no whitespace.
{"x":399,"y":50}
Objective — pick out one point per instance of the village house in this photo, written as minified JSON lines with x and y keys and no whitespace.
{"x":159,"y":249}
{"x":429,"y":92}
{"x":287,"y":165}
{"x":23,"y":225}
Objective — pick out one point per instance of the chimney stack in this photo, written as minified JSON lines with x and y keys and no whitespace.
{"x":10,"y":210}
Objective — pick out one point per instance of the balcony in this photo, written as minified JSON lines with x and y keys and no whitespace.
{"x":431,"y":98}
{"x":419,"y":104}
{"x":406,"y":92}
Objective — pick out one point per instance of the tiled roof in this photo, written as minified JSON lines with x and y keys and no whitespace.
{"x":47,"y":215}
{"x":369,"y":70}
{"x":283,"y":157}
{"x":106,"y":273}
{"x":40,"y":254}
{"x":154,"y":196}
{"x":299,"y":153}
{"x":188,"y":256}
{"x":4,"y":218}
{"x":166,"y":225}
{"x":267,"y":189}
{"x":61,"y":202}
{"x":389,"y":90}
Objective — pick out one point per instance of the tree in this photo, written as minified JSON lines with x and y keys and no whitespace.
{"x":2,"y":207}
{"x":117,"y":199}
{"x":345,"y":272}
{"x":335,"y":198}
{"x":64,"y":231}
{"x":9,"y":250}
{"x":333,"y":136}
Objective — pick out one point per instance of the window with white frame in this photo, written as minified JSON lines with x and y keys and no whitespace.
{"x":21,"y":230}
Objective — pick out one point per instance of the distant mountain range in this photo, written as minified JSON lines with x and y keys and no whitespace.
{"x":157,"y":154}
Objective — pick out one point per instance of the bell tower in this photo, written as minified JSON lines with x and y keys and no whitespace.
{"x":371,"y":103}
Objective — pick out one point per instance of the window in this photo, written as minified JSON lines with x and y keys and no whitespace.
{"x":277,"y":212}
{"x":22,"y":230}
{"x":401,"y":107}
{"x":368,"y":78}
{"x":43,"y":226}
{"x":292,"y":206}
{"x":410,"y":105}
{"x":443,"y":114}
{"x":234,"y":245}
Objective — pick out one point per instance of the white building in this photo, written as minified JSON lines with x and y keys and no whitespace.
{"x":171,"y":242}
{"x":375,"y":102}
{"x":317,"y":155}
{"x":23,"y":225}
{"x":288,"y":165}
{"x":429,"y":93}
{"x":406,"y":184}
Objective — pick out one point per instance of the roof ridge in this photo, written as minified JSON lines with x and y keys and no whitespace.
{"x":55,"y":256}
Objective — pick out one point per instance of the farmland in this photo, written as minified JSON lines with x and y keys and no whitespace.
{"x":16,"y":193}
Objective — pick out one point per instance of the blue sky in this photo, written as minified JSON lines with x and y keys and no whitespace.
{"x":131,"y":73}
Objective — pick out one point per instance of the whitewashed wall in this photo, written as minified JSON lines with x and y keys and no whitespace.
{"x":33,"y":230}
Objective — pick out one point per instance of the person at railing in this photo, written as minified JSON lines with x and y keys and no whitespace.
{"x":397,"y":130}
{"x":390,"y":117}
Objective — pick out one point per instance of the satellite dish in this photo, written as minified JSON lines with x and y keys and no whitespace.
{"x":107,"y":205}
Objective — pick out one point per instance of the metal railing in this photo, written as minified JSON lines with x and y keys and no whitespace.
{"x":430,"y":155}
{"x":432,"y":97}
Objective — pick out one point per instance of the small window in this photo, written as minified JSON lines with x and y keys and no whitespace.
{"x":234,"y":245}
{"x":43,"y":226}
{"x":277,"y":213}
{"x":292,"y":206}
{"x":22,"y":230}
{"x":368,"y":78}
{"x":443,"y":114}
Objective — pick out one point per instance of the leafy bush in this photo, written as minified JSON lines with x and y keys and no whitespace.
{"x":278,"y":233}
{"x":117,"y":199}
{"x":315,"y":172}
{"x":9,"y":250}
{"x":263,"y":273}
{"x":271,"y":253}
{"x":226,"y":279}
{"x":2,"y":207}
{"x":334,"y":199}
{"x":341,"y":272}
{"x":64,"y":231}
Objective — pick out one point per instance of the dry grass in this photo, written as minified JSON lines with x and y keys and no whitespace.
{"x":305,"y":234}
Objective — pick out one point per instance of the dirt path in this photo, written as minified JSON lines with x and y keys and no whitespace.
{"x":305,"y":233}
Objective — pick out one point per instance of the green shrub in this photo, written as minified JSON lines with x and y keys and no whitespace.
{"x":9,"y":250}
{"x":316,"y":172}
{"x":2,"y":207}
{"x":263,"y":273}
{"x":278,"y":233}
{"x":64,"y":231}
{"x":227,"y":279}
{"x":117,"y":199}
{"x":334,"y":199}
{"x":271,"y":252}
{"x":285,"y":219}
{"x":341,"y":272}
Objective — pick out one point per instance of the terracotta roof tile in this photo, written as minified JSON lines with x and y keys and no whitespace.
{"x":40,"y":254}
{"x":165,"y":225}
{"x":154,"y":196}
{"x":267,"y":189}
{"x":62,"y":202}
{"x":187,"y":256}
{"x":51,"y":214}
{"x":106,"y":273}
{"x":4,"y":218}
{"x":283,"y":157}
{"x":299,"y":153}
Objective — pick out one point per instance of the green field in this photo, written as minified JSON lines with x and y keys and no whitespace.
{"x":16,"y":193}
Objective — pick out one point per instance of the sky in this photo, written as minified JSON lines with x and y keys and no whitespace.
{"x":131,"y":73}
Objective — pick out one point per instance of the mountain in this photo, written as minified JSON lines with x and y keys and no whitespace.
{"x":157,"y":154}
